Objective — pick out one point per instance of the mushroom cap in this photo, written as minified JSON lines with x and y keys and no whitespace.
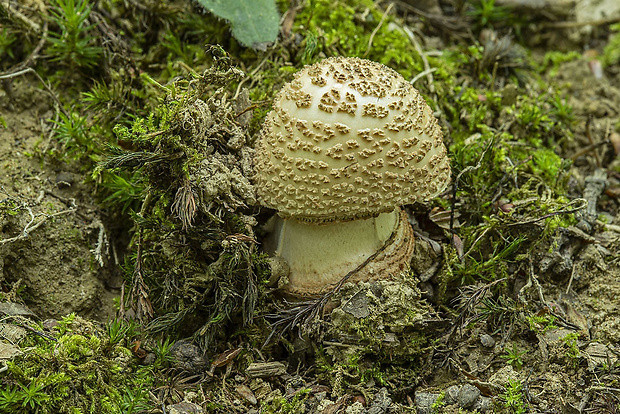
{"x":348,"y":138}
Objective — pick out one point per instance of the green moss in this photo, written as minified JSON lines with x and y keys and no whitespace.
{"x":541,"y":323}
{"x":287,"y":405}
{"x":572,"y":350}
{"x":79,"y":370}
{"x":553,"y":59}
{"x":514,"y":398}
{"x":345,"y":27}
{"x":611,"y":53}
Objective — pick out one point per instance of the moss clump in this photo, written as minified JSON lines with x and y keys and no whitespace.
{"x":78,"y":368}
{"x":377,"y":330}
{"x":195,"y":252}
{"x":611,"y":53}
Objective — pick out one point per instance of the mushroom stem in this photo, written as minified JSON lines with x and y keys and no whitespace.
{"x":320,"y":255}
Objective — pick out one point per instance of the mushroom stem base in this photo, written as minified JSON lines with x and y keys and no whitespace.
{"x":320,"y":255}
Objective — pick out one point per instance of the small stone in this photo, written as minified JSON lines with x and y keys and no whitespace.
{"x":487,"y":341}
{"x":12,"y":333}
{"x":50,"y":324}
{"x":483,"y":405}
{"x":64,"y":179}
{"x":381,"y":403}
{"x":279,"y":272}
{"x":467,"y":396}
{"x":452,"y":394}
{"x":149,"y":359}
{"x":245,"y":391}
{"x":424,"y":401}
{"x":8,"y":351}
{"x":357,"y":305}
{"x":184,"y":408}
{"x":355,"y":408}
{"x":16,"y":309}
{"x":188,"y":357}
{"x":598,"y":354}
{"x":320,"y":396}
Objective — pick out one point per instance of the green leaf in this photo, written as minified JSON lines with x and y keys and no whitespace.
{"x":254,"y":23}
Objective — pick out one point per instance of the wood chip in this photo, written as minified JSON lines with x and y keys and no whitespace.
{"x":265,"y":369}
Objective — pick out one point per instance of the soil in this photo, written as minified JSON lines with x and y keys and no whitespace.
{"x":48,"y":253}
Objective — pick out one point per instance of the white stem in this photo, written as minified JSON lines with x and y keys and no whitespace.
{"x":319,"y":255}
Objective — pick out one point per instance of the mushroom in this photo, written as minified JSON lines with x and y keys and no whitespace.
{"x":347,"y":143}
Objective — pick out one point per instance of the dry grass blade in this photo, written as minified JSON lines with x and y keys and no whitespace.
{"x":139,"y":296}
{"x":184,"y":206}
{"x":467,"y":309}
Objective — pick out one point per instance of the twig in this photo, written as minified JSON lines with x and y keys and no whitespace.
{"x":32,"y":57}
{"x":592,"y":144}
{"x":423,"y":73}
{"x":427,"y":66}
{"x":47,"y":87}
{"x":31,"y":225}
{"x":475,"y":242}
{"x":583,"y":205}
{"x":374,"y":32}
{"x":571,"y":25}
{"x":534,"y":279}
{"x":587,"y":149}
{"x":14,"y":13}
{"x":20,"y":321}
{"x":37,"y":332}
{"x":607,"y":226}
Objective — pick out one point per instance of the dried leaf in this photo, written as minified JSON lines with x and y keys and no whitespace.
{"x":442,"y":218}
{"x":15,"y":309}
{"x":8,"y":351}
{"x":224,"y":358}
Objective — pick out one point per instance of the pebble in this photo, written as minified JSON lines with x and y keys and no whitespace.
{"x":424,"y":401}
{"x":467,"y":396}
{"x":451,"y":394}
{"x":487,"y":341}
{"x":187,"y":357}
{"x":483,"y":405}
{"x":355,"y":408}
{"x":184,"y":408}
{"x":381,"y":403}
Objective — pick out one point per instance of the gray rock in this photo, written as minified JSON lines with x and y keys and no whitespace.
{"x":184,"y":408}
{"x":467,"y":396}
{"x":424,"y":401}
{"x":483,"y":405}
{"x":188,"y":357}
{"x":381,"y":403}
{"x":451,"y":394}
{"x":357,"y":305}
{"x":355,"y":408}
{"x":487,"y":341}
